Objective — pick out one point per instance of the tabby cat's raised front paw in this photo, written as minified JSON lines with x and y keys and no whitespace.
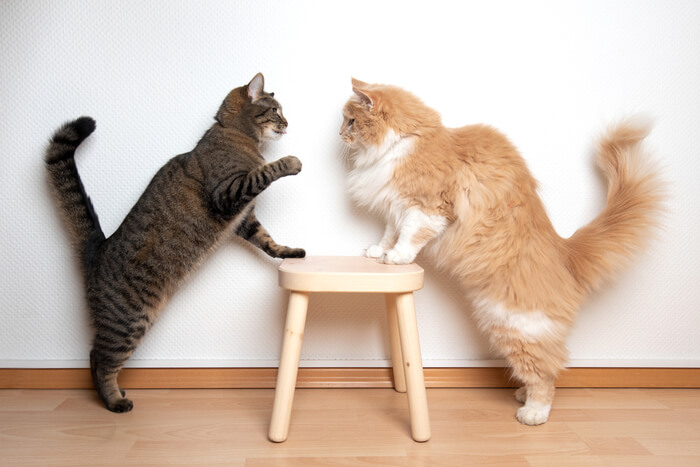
{"x":292,"y":165}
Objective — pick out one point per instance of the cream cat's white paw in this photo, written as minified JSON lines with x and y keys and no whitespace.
{"x":395,"y":256}
{"x":533,"y":414}
{"x":375,"y":251}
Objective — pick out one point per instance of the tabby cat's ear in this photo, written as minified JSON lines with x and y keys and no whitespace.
{"x":255,"y":87}
{"x":360,"y":89}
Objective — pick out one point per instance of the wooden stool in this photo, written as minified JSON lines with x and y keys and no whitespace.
{"x":353,"y":274}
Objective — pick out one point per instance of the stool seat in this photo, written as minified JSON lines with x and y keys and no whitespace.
{"x":348,"y":274}
{"x":353,"y":274}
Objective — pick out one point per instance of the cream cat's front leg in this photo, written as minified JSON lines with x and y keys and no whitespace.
{"x":386,"y":243}
{"x":415,"y":230}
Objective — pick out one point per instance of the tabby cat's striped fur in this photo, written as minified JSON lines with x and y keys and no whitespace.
{"x":193,"y":202}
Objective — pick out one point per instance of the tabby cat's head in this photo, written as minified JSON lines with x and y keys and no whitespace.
{"x":379,"y":113}
{"x":252,"y":108}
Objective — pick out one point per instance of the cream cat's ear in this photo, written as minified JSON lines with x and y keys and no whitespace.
{"x":360,"y":89}
{"x":356,"y":83}
{"x":255,"y":87}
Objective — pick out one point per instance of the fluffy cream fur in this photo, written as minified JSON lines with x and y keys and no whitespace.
{"x":467,"y":196}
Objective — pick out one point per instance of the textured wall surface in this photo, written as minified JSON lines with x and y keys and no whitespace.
{"x":549,"y":74}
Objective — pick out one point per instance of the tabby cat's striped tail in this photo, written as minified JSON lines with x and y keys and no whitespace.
{"x":63,"y":176}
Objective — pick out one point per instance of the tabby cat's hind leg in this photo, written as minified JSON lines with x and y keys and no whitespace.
{"x":115,"y":341}
{"x":104,"y":378}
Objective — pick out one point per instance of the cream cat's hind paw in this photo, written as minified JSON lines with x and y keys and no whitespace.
{"x":521,"y":395}
{"x":533,"y":414}
{"x":375,"y":251}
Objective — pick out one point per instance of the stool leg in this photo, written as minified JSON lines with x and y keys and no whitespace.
{"x":395,"y":340}
{"x":413,"y":366}
{"x":289,"y":364}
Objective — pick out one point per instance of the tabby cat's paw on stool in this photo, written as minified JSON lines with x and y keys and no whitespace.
{"x":294,"y":253}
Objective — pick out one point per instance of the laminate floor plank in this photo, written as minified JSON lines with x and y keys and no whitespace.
{"x":349,"y":427}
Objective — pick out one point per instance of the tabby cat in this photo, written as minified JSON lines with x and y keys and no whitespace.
{"x":195,"y":201}
{"x":467,"y":197}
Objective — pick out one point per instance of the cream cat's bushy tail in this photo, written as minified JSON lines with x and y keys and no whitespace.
{"x":634,"y":204}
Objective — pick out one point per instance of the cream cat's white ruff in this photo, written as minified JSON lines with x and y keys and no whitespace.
{"x":369,"y":182}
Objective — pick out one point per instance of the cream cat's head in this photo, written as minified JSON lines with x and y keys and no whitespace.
{"x":377,"y":112}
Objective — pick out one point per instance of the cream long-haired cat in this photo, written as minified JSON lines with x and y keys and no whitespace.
{"x":467,"y":196}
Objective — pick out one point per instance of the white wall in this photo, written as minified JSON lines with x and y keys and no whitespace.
{"x":549,"y":74}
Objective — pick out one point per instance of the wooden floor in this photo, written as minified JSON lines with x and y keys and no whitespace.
{"x":587,"y":427}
